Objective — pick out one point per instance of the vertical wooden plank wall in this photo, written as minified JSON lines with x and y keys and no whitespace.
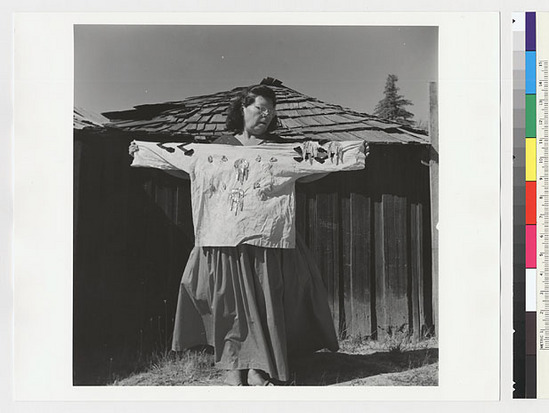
{"x":129,"y":253}
{"x":360,"y":214}
{"x":370,"y":232}
{"x":317,"y":205}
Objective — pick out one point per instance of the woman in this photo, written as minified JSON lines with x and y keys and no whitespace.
{"x":251,"y":289}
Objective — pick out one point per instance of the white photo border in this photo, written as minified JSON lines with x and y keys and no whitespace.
{"x":469,"y":226}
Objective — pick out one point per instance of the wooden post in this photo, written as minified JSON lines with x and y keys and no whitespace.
{"x":433,"y":133}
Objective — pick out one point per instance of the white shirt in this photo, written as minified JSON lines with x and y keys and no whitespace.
{"x":246,"y":194}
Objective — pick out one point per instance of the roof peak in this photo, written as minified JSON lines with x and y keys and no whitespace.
{"x":271,"y":81}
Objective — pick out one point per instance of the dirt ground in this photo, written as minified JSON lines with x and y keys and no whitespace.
{"x":353,"y":365}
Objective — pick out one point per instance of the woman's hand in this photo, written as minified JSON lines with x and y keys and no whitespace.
{"x":133,"y":148}
{"x":366,"y":149}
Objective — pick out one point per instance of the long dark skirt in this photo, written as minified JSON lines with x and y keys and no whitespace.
{"x":254,"y":305}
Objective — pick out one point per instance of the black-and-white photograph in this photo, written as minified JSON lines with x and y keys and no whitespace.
{"x":255,"y":205}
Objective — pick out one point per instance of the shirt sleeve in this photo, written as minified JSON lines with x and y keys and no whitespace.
{"x":167,"y":156}
{"x":313,"y":158}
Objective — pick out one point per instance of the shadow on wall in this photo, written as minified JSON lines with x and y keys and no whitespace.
{"x":129,"y":255}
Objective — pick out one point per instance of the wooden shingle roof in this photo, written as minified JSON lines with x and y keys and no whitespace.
{"x":300,"y":117}
{"x":83,"y":118}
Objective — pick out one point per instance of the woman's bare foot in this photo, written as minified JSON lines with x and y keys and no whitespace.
{"x":258,"y":378}
{"x":235,"y":377}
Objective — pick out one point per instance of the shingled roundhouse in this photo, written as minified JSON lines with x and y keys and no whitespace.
{"x":370,"y":230}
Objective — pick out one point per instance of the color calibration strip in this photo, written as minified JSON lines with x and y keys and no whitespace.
{"x":520,"y":216}
{"x":531,"y":210}
{"x":531,"y":204}
{"x":525,"y":205}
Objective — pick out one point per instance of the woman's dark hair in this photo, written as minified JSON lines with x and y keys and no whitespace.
{"x":235,"y":117}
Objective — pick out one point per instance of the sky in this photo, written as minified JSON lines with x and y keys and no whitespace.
{"x":119,"y":66}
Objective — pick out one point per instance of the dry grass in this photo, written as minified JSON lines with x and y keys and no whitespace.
{"x":396,"y":360}
{"x":393,"y":341}
{"x":189,"y":368}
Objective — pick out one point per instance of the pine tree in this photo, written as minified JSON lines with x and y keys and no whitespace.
{"x":391,"y":107}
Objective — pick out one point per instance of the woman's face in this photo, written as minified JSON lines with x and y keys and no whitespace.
{"x":258,"y":116}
